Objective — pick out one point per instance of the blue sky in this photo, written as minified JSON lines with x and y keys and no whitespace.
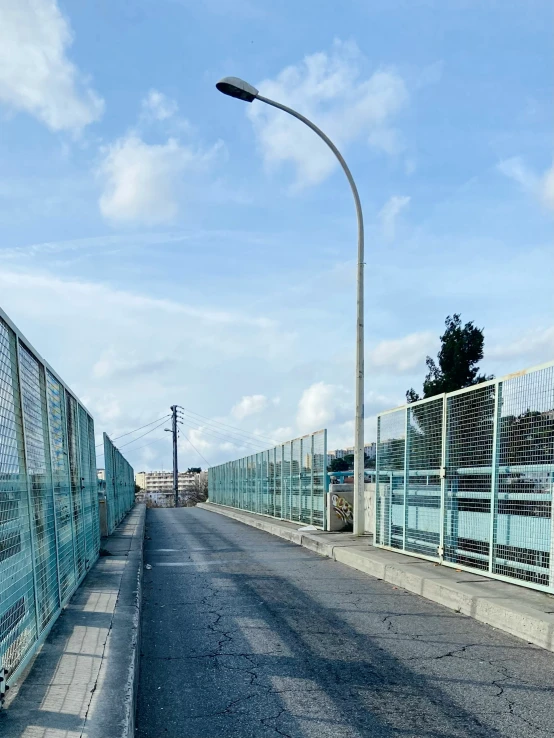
{"x":162,"y":243}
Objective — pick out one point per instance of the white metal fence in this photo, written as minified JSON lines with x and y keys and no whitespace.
{"x":288,"y":481}
{"x":467,"y":478}
{"x":49,"y":528}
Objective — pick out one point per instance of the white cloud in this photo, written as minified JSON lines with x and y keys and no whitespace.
{"x":143,"y":354}
{"x":387,"y":140}
{"x":534,"y":345}
{"x":516,"y":169}
{"x":158,"y":106}
{"x":36,"y":75}
{"x":541,"y":186}
{"x":249,"y":405}
{"x":390,"y":212}
{"x":332,"y":89}
{"x":331,"y":406}
{"x":320,"y":405}
{"x":403,"y":354}
{"x":547,"y":187}
{"x":142,"y":181}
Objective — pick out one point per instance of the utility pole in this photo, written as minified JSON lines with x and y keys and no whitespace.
{"x":175,"y":463}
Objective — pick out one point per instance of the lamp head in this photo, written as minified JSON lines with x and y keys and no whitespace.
{"x":235,"y":87}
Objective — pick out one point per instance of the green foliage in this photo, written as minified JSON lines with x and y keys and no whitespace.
{"x":461,"y":351}
{"x":347,"y":462}
{"x":337,"y":465}
{"x":529,"y":438}
{"x":194,"y":470}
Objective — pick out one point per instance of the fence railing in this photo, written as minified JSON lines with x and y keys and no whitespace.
{"x":49,"y":530}
{"x":467,"y":478}
{"x":119,"y":485}
{"x":288,"y":481}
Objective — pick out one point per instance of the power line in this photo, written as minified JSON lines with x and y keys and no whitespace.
{"x":224,"y":436}
{"x":231,"y":427}
{"x":148,"y":444}
{"x":142,"y":436}
{"x":131,"y":450}
{"x":197,"y":451}
{"x":134,"y":431}
{"x":243,"y":437}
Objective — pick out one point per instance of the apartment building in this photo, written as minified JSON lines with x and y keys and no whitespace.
{"x":157,"y":486}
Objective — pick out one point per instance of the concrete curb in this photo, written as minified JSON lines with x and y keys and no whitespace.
{"x":84,"y":680}
{"x":524,"y":613}
{"x":116,"y":700}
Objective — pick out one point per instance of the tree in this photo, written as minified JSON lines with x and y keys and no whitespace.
{"x":200,"y":490}
{"x":194,"y":470}
{"x":461,"y":351}
{"x":337,"y":465}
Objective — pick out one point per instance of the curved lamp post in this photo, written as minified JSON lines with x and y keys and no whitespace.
{"x":235,"y":87}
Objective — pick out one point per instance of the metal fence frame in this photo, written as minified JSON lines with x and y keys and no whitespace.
{"x":49,"y":526}
{"x":476,"y":493}
{"x":119,"y":485}
{"x":276,"y":482}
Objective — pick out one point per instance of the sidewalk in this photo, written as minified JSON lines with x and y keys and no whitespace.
{"x":82,"y":683}
{"x":525,"y":613}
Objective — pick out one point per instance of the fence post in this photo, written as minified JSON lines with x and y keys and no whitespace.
{"x":281,"y":480}
{"x":312,"y":483}
{"x":65,"y":430}
{"x":28,"y":484}
{"x":389,"y":532}
{"x":551,"y":573}
{"x":290,"y":485}
{"x":378,"y":506}
{"x":443,"y":479}
{"x":81,"y":483}
{"x":494,"y":473}
{"x":54,"y":507}
{"x":406,"y":476}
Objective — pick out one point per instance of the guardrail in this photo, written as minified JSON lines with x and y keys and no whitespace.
{"x":119,"y":485}
{"x":467,"y":478}
{"x":49,"y":529}
{"x":288,"y":481}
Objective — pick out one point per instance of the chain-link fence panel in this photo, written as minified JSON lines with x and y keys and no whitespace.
{"x":391,"y":460}
{"x":119,"y":485}
{"x":288,"y":481}
{"x":48,"y":500}
{"x":467,"y":478}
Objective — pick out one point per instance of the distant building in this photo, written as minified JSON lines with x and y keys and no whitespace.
{"x":370,"y":450}
{"x":101,"y":474}
{"x":157,"y":486}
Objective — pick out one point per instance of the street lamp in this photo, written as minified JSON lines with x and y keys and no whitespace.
{"x":235,"y":87}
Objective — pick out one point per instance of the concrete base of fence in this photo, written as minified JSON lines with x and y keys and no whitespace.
{"x":525,"y":613}
{"x":84,"y":679}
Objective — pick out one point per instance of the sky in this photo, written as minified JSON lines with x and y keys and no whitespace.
{"x":162,"y":243}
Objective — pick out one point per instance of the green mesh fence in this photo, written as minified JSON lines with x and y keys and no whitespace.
{"x":49,"y":527}
{"x":467,"y":478}
{"x":119,"y":485}
{"x":288,"y":481}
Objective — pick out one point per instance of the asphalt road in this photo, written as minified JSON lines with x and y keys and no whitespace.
{"x":247,"y":635}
